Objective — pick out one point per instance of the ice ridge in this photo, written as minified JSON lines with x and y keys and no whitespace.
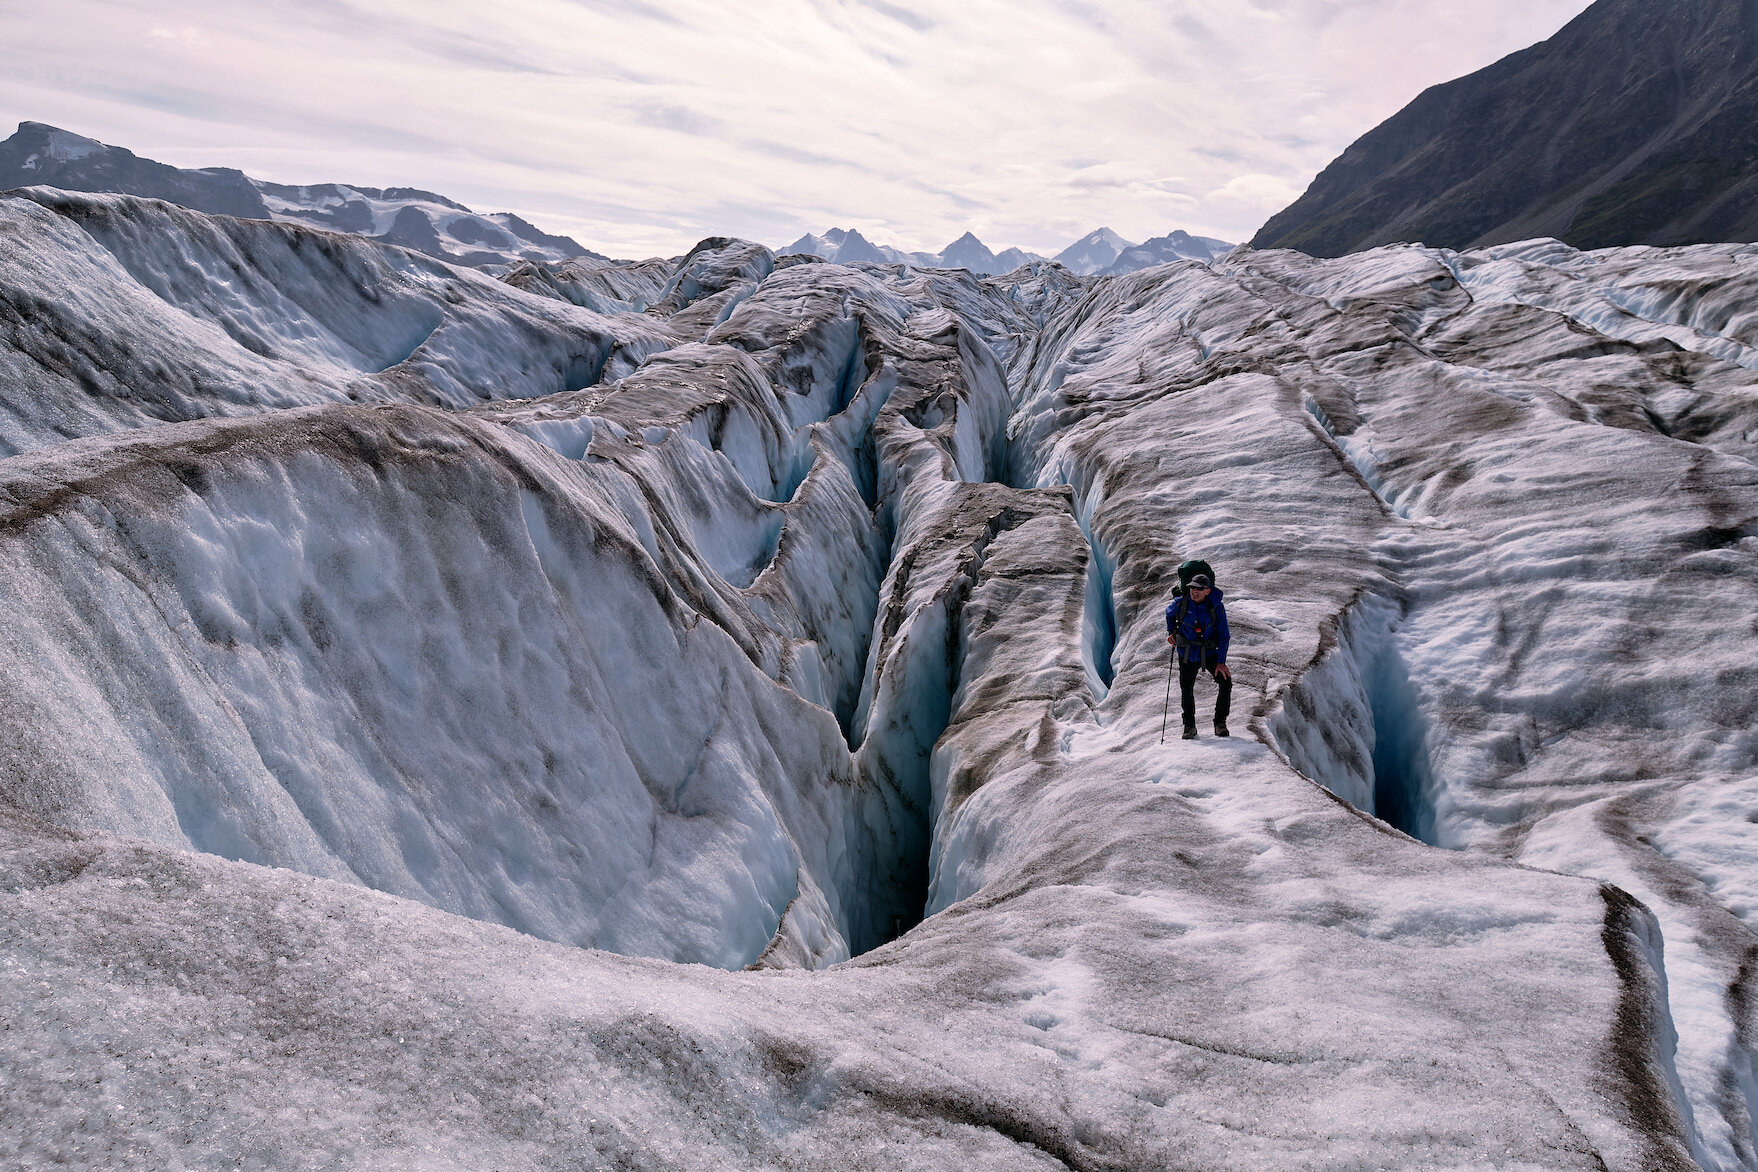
{"x":706,"y":713}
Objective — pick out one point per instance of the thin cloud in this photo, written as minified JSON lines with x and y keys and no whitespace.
{"x":191,"y":37}
{"x":679,"y":118}
{"x":638,"y":8}
{"x":794,"y":154}
{"x":903,"y":16}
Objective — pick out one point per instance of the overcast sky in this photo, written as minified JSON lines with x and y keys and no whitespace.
{"x":639,"y":126}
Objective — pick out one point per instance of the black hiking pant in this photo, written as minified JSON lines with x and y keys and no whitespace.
{"x":1187,"y":673}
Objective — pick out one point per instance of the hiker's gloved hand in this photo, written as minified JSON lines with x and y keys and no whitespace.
{"x":1172,"y":639}
{"x":1221,"y":672}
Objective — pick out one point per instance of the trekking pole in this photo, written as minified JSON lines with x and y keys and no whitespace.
{"x":1168,"y":712}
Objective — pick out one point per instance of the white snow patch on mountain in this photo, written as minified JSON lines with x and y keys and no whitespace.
{"x":66,"y":147}
{"x":1094,"y":251}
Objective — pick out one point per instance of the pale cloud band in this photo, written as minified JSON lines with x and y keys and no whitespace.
{"x":641,"y":125}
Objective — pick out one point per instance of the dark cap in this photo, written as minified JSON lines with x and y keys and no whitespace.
{"x":1202,"y":581}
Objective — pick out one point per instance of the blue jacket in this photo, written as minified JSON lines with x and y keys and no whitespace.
{"x":1205,"y":625}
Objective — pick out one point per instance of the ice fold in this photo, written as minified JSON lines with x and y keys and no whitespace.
{"x":332,"y":727}
{"x":122,"y":312}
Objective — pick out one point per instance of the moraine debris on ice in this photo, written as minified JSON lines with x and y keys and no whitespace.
{"x":708,"y":717}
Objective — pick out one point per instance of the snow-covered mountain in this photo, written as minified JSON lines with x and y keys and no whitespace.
{"x":1100,"y":252}
{"x":1093,"y":252}
{"x":42,"y":155}
{"x":848,"y":246}
{"x":1178,"y":245}
{"x":708,"y":713}
{"x":1107,"y":254}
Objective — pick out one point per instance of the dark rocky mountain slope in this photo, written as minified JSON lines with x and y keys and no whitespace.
{"x":1636,"y":124}
{"x":40,"y":155}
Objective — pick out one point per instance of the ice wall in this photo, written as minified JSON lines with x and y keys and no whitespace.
{"x":1464,"y":523}
{"x":307,"y":590}
{"x":818,"y":627}
{"x":391,"y":647}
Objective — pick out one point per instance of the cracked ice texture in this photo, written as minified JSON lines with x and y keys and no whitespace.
{"x":784,"y":630}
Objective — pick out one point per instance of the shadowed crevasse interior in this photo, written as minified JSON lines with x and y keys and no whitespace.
{"x":1352,"y":723}
{"x":672,"y":667}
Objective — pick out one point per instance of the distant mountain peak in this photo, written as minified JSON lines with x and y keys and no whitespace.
{"x":1102,"y":236}
{"x":856,"y":248}
{"x":63,"y":146}
{"x":967,"y":252}
{"x":1176,"y":245}
{"x":1093,"y":252}
{"x":1099,"y":252}
{"x":40,"y":154}
{"x":848,"y":246}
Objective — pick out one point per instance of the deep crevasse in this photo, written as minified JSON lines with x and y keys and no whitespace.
{"x":782,"y":537}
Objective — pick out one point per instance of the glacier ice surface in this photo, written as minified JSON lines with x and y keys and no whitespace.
{"x":706,"y":714}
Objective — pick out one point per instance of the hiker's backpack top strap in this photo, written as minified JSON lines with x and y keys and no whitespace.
{"x":1178,"y":611}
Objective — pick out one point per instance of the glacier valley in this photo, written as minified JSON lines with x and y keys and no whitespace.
{"x":707,"y":713}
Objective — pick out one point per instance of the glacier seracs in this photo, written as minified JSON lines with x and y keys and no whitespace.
{"x":121,"y":312}
{"x":742,"y":749}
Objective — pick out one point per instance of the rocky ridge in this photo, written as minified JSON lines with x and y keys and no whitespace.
{"x":39,"y":155}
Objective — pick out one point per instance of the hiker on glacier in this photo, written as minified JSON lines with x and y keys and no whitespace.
{"x":1196,"y":626}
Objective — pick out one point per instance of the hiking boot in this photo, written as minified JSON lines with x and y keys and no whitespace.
{"x":1190,"y":732}
{"x":1221,"y":730}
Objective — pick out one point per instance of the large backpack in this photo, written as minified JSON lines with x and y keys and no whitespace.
{"x":1186,"y":572}
{"x":1189,"y":570}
